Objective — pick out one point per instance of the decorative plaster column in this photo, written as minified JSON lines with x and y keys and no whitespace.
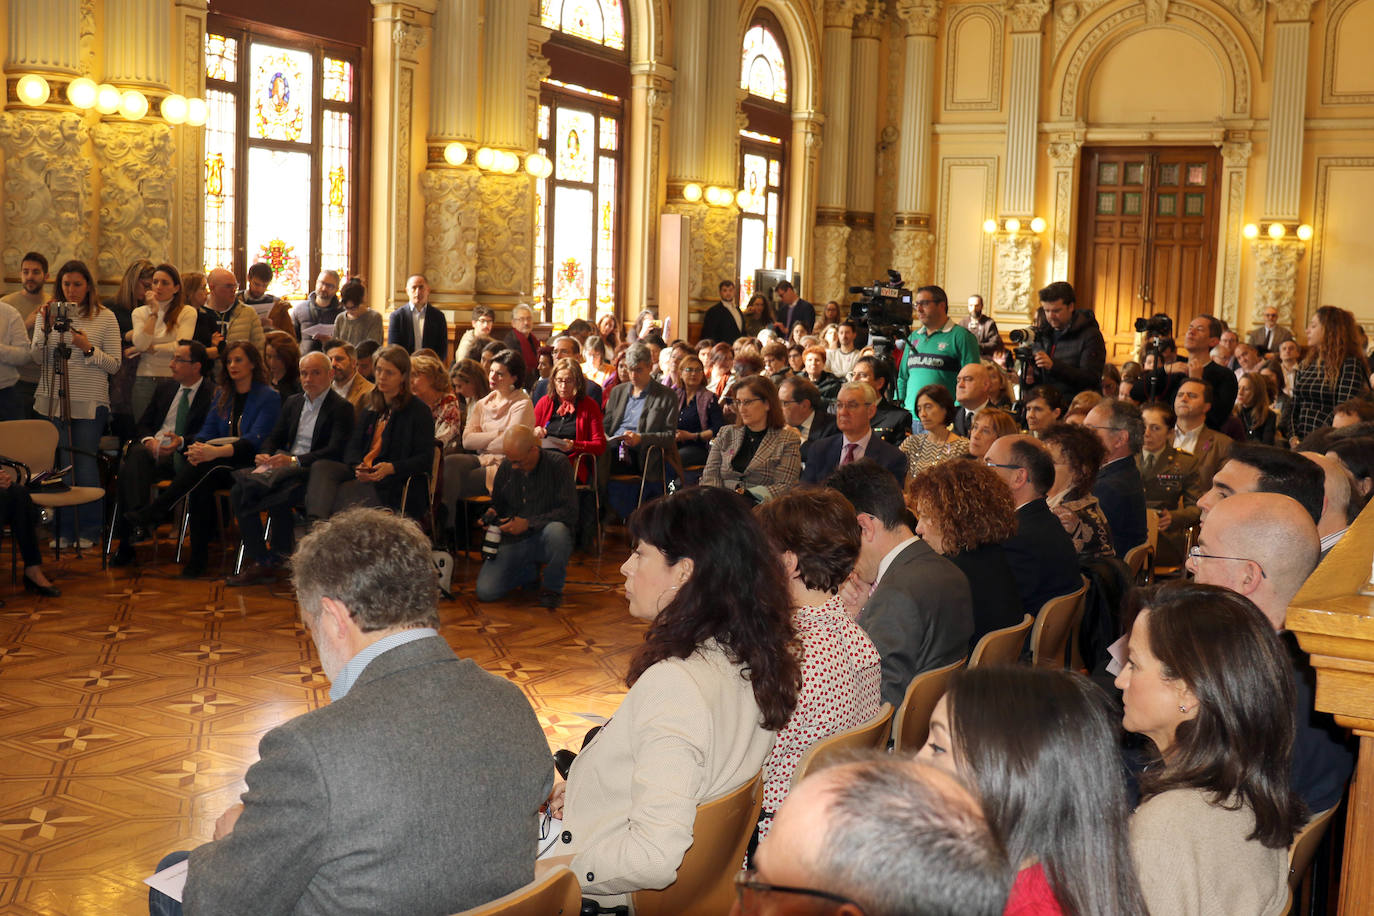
{"x":399,"y":31}
{"x":188,"y":152}
{"x":138,"y":42}
{"x":651,"y":88}
{"x":687,"y":135}
{"x":1235,"y":159}
{"x":829,"y":242}
{"x":720,"y":157}
{"x":863,"y":151}
{"x":1064,"y":159}
{"x":912,"y":242}
{"x":1284,"y":180}
{"x":803,"y":158}
{"x":44,"y":35}
{"x":456,"y":67}
{"x":504,"y":74}
{"x":1018,"y":181}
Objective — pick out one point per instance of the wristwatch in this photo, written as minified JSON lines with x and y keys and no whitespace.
{"x":90,"y":352}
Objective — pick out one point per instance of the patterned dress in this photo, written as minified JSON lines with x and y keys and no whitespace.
{"x":923,"y":452}
{"x":1087,"y":526}
{"x":841,"y":688}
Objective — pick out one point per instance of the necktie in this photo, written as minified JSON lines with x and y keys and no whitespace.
{"x":179,"y":426}
{"x":1149,"y":463}
{"x":1268,"y":338}
{"x":849,"y":449}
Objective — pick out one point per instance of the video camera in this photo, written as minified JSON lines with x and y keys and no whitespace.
{"x":1155,"y":325}
{"x":885,"y":310}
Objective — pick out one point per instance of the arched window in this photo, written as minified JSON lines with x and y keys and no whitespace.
{"x":581,"y":131}
{"x":763,"y":149}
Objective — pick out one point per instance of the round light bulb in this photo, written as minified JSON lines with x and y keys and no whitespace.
{"x":81,"y":92}
{"x":1276,"y":230}
{"x":1038,"y":225}
{"x":32,"y":89}
{"x":107,"y":99}
{"x":197,"y":112}
{"x":174,"y":109}
{"x":133,"y":105}
{"x":1305,"y":232}
{"x":486,"y":158}
{"x":743,"y":198}
{"x":1013,"y":225}
{"x":455,"y":154}
{"x":989,"y":225}
{"x":691,"y":193}
{"x":533,"y":165}
{"x":1251,"y":231}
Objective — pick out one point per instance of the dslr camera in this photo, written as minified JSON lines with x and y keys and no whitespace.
{"x":1155,"y":326}
{"x":61,"y":314}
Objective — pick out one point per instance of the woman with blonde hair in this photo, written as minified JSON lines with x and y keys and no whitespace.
{"x":1252,"y":406}
{"x":430,"y":383}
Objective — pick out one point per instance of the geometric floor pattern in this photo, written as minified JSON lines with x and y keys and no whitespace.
{"x":131,"y":707}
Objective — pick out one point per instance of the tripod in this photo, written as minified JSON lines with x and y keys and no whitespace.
{"x":59,"y":398}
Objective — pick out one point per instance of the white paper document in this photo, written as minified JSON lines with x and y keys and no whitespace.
{"x":171,"y":880}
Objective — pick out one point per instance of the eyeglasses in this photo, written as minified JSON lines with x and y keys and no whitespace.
{"x":746,"y":885}
{"x":741,"y":402}
{"x":1196,"y":554}
{"x":789,"y":403}
{"x":993,"y":464}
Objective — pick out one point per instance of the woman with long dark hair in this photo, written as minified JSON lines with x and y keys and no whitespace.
{"x":282,"y":356}
{"x":1209,"y":683}
{"x":716,"y":678}
{"x":157,"y":325}
{"x":1333,"y":371}
{"x":1078,"y":452}
{"x":1040,"y":749}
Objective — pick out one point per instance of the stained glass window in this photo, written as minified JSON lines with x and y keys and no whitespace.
{"x":336,"y":181}
{"x":575,"y":150}
{"x":338,"y":80}
{"x":760,"y":209}
{"x":278,"y":218}
{"x":763,"y":70}
{"x":221,"y":58}
{"x":598,"y":21}
{"x":220,"y":179}
{"x":281,"y":94}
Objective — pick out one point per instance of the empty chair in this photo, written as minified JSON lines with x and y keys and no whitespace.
{"x":912,"y":722}
{"x":554,"y":894}
{"x":1001,"y":647}
{"x":1054,"y":624}
{"x":1141,"y":560}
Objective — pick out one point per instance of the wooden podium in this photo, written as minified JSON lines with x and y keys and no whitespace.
{"x":1333,"y":619}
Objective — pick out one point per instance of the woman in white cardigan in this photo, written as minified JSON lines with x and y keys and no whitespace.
{"x":158,"y":324}
{"x":716,"y":678}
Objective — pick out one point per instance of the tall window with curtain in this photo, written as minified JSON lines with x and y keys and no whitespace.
{"x":581,"y":131}
{"x":763,"y":149}
{"x":280,"y":155}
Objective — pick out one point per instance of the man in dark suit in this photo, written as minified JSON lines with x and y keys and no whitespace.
{"x":1041,"y":553}
{"x":565,"y":347}
{"x":639,"y":415}
{"x":1170,"y":478}
{"x":1119,"y":488}
{"x":158,"y":450}
{"x":1269,"y":336}
{"x":974,"y":387}
{"x":383,"y":801}
{"x":312,"y":425}
{"x":804,"y":410}
{"x":855,"y":408}
{"x":920,"y":611}
{"x":723,"y":322}
{"x":419,"y":321}
{"x":793,"y":308}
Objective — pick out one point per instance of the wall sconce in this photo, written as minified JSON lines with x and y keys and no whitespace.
{"x":1277,"y":231}
{"x":691,"y":193}
{"x":538,"y":165}
{"x":719,"y":197}
{"x":32,"y":89}
{"x":455,"y":154}
{"x":107,"y":99}
{"x":1011,"y":225}
{"x":197,"y":112}
{"x":1304,"y":233}
{"x":486,"y":158}
{"x":81,"y":92}
{"x":743,"y":198}
{"x":174,"y":109}
{"x":1038,"y":225}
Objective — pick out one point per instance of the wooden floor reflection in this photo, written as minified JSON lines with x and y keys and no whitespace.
{"x":131,"y":706}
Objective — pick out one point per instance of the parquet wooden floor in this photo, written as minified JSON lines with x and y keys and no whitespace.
{"x":131,"y":707}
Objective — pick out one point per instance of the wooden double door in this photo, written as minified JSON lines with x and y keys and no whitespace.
{"x":1147,"y":239}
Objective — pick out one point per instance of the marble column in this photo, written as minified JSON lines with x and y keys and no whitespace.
{"x":721,"y":127}
{"x":1018,"y":180}
{"x":1235,"y":159}
{"x":803,"y":160}
{"x":829,"y":243}
{"x":503,"y":75}
{"x":1064,"y":162}
{"x":688,"y":117}
{"x":1283,"y":186}
{"x":863,"y":150}
{"x":138,"y":42}
{"x":651,"y":90}
{"x":912,"y":241}
{"x":44,"y":36}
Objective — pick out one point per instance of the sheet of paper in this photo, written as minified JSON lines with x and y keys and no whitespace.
{"x":593,"y":718}
{"x":1117,"y":651}
{"x":555,"y":443}
{"x":318,"y":331}
{"x":171,"y":880}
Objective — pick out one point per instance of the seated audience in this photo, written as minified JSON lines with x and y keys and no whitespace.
{"x":805,"y":412}
{"x":1041,"y":555}
{"x":313,"y":425}
{"x":813,"y":363}
{"x":1252,"y":406}
{"x":274,"y":312}
{"x":478,"y":336}
{"x":890,"y":420}
{"x":1078,"y":453}
{"x":640,"y":414}
{"x":598,"y":367}
{"x":964,"y":511}
{"x":775,"y":361}
{"x":841,"y":360}
{"x":367,"y":352}
{"x":158,"y":450}
{"x":919,"y":611}
{"x":991,"y":424}
{"x":720,"y":362}
{"x":1339,"y":507}
{"x":795,"y":358}
{"x":1208,"y":682}
{"x":882,"y":836}
{"x":358,"y":322}
{"x":699,"y":417}
{"x":383,"y":801}
{"x":1268,"y":469}
{"x":565,"y":347}
{"x":219,"y":318}
{"x":1171,"y":483}
{"x":1357,"y":454}
{"x":1040,"y":750}
{"x":710,"y":687}
{"x":18,"y":512}
{"x":1348,"y":413}
{"x":505,"y":406}
{"x":1192,"y":406}
{"x":1044,"y":408}
{"x":756,"y":457}
{"x":348,"y":382}
{"x":608,"y":329}
{"x":569,"y":420}
{"x":469,"y":381}
{"x":855,"y":407}
{"x":522,"y":340}
{"x":244,"y":411}
{"x":534,"y":506}
{"x":815,"y":532}
{"x":430,"y":384}
{"x":283,"y":357}
{"x":1118,"y":488}
{"x":936,"y":442}
{"x":1111,"y":381}
{"x":1082,"y":402}
{"x":392,"y":442}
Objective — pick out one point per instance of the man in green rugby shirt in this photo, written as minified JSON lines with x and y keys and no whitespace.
{"x":936,"y":351}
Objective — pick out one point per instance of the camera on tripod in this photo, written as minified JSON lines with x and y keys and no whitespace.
{"x":1025,"y":341}
{"x":1155,"y":326}
{"x":884,"y":309}
{"x":61,"y":314}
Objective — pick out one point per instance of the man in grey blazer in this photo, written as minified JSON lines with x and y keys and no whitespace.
{"x":415,"y":791}
{"x":920,"y":612}
{"x":639,"y":414}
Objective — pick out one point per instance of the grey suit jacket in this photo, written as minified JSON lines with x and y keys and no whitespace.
{"x":775,"y":465}
{"x":416,"y":793}
{"x":920,"y":617}
{"x":1256,"y":338}
{"x":657,"y":424}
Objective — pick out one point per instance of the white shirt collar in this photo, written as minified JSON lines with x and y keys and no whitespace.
{"x":861,"y":443}
{"x":892,"y":555}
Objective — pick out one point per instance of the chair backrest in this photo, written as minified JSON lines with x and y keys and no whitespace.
{"x":557,"y":892}
{"x":1140,"y":559}
{"x":864,"y":736}
{"x":911,"y":724}
{"x":1050,"y":635}
{"x":705,"y":879}
{"x":30,"y":442}
{"x":1001,"y":647}
{"x":1305,"y":845}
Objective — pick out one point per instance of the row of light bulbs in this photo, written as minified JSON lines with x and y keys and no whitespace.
{"x":1277,"y":231}
{"x":1012,"y":225}
{"x":494,"y":160}
{"x":716,"y":196}
{"x":84,"y":95}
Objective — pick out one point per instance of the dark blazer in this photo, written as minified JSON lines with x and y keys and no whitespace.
{"x":384,"y":801}
{"x":527,"y":345}
{"x":541,"y":388}
{"x":963,"y":421}
{"x":407,"y":442}
{"x":719,"y":325}
{"x":996,"y":599}
{"x":825,"y":458}
{"x":1322,"y":755}
{"x":1121,"y":494}
{"x":657,"y":424}
{"x":434,"y":335}
{"x":892,"y":422}
{"x":802,"y":311}
{"x":164,"y":395}
{"x":333,"y":427}
{"x":822,"y":426}
{"x":919,"y":617}
{"x":1041,"y":556}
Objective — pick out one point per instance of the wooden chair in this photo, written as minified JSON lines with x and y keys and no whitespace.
{"x":33,"y":443}
{"x":431,"y":478}
{"x":705,"y":879}
{"x":1141,"y":560}
{"x":1053,"y":627}
{"x":556,"y":893}
{"x":911,"y":724}
{"x":579,"y":460}
{"x":864,"y":736}
{"x":1001,"y":647}
{"x":1304,"y":848}
{"x":643,"y":475}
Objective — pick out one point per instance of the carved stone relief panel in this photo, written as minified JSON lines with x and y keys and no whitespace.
{"x":828,"y":257}
{"x":505,"y":255}
{"x":1015,"y":273}
{"x":718,"y":231}
{"x":135,"y":195}
{"x":47,"y":201}
{"x":912,"y":255}
{"x":1276,"y":280}
{"x":404,"y":36}
{"x":452,"y":202}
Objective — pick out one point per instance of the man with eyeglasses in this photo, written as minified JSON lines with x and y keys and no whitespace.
{"x":936,"y":351}
{"x":1264,"y":546}
{"x":804,"y":410}
{"x":1268,"y":337}
{"x":832,"y":845}
{"x":1119,"y":488}
{"x":855,"y":407}
{"x":223,"y":318}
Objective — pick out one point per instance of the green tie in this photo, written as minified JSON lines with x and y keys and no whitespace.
{"x":179,"y":426}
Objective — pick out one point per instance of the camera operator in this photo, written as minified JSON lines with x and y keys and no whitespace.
{"x":1170,"y":372}
{"x":1071,"y":355}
